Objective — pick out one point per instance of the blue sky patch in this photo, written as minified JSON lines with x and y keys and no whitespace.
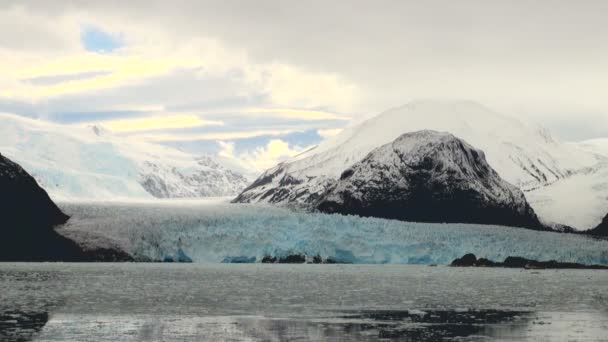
{"x":301,"y":139}
{"x":96,"y":40}
{"x":78,"y":117}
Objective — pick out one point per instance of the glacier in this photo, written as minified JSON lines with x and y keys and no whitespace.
{"x":73,"y":162}
{"x":212,"y":231}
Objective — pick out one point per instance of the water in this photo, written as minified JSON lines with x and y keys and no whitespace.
{"x":257,"y":302}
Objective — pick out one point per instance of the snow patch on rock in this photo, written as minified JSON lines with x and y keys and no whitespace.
{"x":524,"y":155}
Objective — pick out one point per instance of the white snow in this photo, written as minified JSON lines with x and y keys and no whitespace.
{"x":387,"y":165}
{"x":211,"y":231}
{"x":517,"y":151}
{"x":564,"y":183}
{"x":598,"y":146}
{"x":89,"y":162}
{"x":579,"y":201}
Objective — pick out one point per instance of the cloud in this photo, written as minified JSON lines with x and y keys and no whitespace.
{"x":325,"y":133}
{"x":263,"y":157}
{"x":104,"y":72}
{"x":242,"y":145}
{"x":211,"y":136}
{"x":543,"y":61}
{"x":158,"y":122}
{"x":304,"y":114}
{"x":56,"y":79}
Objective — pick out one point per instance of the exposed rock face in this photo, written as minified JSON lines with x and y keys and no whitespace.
{"x":470,"y":260}
{"x":601,"y":229}
{"x":28,"y":217}
{"x":298,"y":259}
{"x":23,"y":200}
{"x":278,"y":186}
{"x":428,"y":176}
{"x":523,"y":154}
{"x":466,"y":260}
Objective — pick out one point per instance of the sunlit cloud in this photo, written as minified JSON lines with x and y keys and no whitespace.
{"x":303,"y":114}
{"x":291,"y":86}
{"x":263,"y":157}
{"x":326,"y":133}
{"x":235,"y":50}
{"x":212,"y":136}
{"x":137,"y":108}
{"x":56,"y":79}
{"x":158,"y":122}
{"x":103,"y":71}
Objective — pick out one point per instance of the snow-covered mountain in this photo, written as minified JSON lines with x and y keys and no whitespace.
{"x":579,"y":201}
{"x":428,"y":176}
{"x":78,"y":162}
{"x":524,"y":155}
{"x":598,"y":146}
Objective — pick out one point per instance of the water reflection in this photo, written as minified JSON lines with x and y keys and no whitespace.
{"x":21,"y":326}
{"x":409,"y":325}
{"x":159,"y":302}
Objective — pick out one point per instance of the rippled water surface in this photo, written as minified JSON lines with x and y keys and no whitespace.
{"x":256,"y":302}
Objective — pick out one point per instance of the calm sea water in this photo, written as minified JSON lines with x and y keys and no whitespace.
{"x":255,"y":302}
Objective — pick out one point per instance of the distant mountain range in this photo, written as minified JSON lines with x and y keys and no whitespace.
{"x":78,"y":162}
{"x":526,"y":156}
{"x":564,"y":184}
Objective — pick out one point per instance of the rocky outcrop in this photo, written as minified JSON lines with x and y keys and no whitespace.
{"x":428,"y":176}
{"x":298,"y":259}
{"x":27,"y":220}
{"x":22,"y":201}
{"x":470,"y":260}
{"x":601,"y":229}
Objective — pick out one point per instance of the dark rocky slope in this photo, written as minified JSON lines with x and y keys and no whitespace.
{"x":601,"y":229}
{"x":428,"y":176}
{"x":470,"y":260}
{"x":27,"y":220}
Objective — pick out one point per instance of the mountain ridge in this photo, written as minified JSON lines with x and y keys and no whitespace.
{"x":423,"y":176}
{"x":428,"y":176}
{"x":90,"y":162}
{"x":525,"y":156}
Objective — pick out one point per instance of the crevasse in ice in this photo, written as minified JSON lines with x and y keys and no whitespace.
{"x":220,"y":231}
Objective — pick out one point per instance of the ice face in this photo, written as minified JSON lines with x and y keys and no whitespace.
{"x":213,"y":232}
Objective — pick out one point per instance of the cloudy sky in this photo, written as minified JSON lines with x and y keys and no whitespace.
{"x":265,"y":79}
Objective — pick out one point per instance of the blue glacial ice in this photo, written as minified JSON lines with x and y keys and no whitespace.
{"x":216,"y":232}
